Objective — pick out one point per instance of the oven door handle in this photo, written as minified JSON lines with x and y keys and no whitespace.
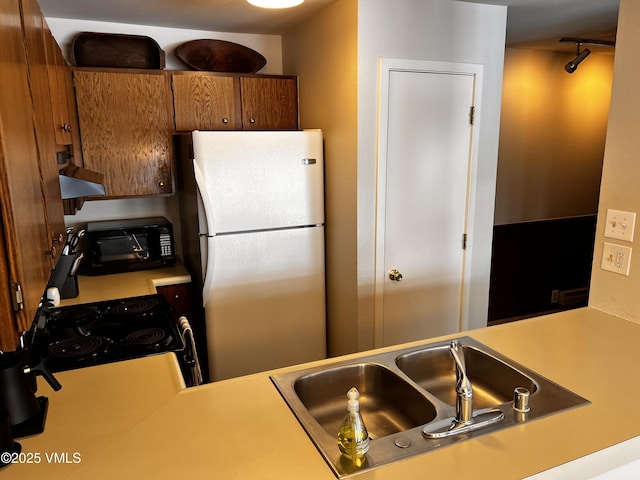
{"x":191,"y":353}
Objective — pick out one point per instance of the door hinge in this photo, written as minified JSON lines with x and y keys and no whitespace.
{"x":472,"y":115}
{"x":16,"y":297}
{"x":464,"y":241}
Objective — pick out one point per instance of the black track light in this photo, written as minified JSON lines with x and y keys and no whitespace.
{"x":580,"y":56}
{"x":571,"y":66}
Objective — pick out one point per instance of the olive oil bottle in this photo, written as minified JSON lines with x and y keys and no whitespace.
{"x":353,"y":438}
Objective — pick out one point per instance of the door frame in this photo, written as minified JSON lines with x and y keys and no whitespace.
{"x":385,"y":67}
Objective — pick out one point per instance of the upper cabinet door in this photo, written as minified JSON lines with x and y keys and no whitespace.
{"x":41,"y":95}
{"x":125,"y":130}
{"x":269,"y":103}
{"x":57,"y":69}
{"x":22,"y":208}
{"x":204,"y":102}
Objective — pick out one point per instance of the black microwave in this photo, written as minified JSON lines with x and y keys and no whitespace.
{"x":117,"y":246}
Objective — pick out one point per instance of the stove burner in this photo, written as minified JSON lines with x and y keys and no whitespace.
{"x":148,"y":338}
{"x":79,"y":348}
{"x":134,"y":306}
{"x":114,"y":330}
{"x":75,"y":317}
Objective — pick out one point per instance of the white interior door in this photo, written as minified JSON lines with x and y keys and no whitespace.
{"x":425,"y":175}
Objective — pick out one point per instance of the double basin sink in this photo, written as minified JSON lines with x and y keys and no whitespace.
{"x":406,"y":394}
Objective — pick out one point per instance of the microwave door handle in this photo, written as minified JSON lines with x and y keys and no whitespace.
{"x":141,"y":253}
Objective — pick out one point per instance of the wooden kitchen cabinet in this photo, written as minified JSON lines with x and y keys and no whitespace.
{"x":126,"y":118}
{"x":28,"y":210}
{"x":65,"y":117}
{"x":269,"y":103}
{"x":35,"y":40}
{"x":63,"y":99}
{"x":57,"y":65}
{"x":125,"y":130}
{"x":179,"y":297}
{"x":210,"y":101}
{"x":204,"y":102}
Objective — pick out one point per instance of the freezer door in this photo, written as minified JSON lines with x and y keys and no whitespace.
{"x":260,"y":180}
{"x":266,"y":308}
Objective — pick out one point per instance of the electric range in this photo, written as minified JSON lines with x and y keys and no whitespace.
{"x":91,"y":334}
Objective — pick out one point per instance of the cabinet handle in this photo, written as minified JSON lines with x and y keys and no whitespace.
{"x":161,"y":184}
{"x":52,"y":252}
{"x":252,"y":120}
{"x":66,"y":127}
{"x":225,"y":120}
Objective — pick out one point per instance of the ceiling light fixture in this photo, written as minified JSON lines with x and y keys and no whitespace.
{"x":275,"y":3}
{"x":571,"y":66}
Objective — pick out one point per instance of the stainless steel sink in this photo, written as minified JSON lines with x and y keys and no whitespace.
{"x":411,"y":389}
{"x":493,"y":380}
{"x":388,"y":402}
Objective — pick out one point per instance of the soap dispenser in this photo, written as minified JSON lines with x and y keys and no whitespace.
{"x":353,"y":438}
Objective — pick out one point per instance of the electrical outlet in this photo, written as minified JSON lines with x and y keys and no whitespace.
{"x":620,"y":225}
{"x":616,"y":258}
{"x":555,"y":296}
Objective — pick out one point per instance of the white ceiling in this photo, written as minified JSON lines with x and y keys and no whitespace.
{"x":534,"y":23}
{"x":541,"y":23}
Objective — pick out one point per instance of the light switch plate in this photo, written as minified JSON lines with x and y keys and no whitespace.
{"x":616,"y":258}
{"x":620,"y":225}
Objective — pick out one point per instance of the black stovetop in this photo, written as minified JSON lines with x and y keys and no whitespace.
{"x":95,"y":333}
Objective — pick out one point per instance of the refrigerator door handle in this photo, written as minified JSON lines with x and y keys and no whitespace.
{"x":207,"y":207}
{"x":208,"y":273}
{"x":204,"y":196}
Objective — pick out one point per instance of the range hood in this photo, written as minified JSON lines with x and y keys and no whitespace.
{"x":77,"y":182}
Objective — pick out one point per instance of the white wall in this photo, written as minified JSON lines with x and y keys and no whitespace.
{"x":323,"y":53}
{"x":552,"y":135}
{"x":64,"y":29}
{"x":611,"y":292}
{"x":436,"y":30}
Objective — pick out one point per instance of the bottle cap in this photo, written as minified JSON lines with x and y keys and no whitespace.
{"x":353,"y":395}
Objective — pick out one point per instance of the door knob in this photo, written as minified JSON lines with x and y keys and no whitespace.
{"x":395,"y":275}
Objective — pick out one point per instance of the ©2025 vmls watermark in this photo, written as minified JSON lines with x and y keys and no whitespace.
{"x":41,"y":457}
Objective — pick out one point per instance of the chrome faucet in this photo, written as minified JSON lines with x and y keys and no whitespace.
{"x":464,"y":390}
{"x":464,"y":420}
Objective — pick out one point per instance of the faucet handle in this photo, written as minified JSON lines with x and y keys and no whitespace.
{"x":463,"y":384}
{"x":464,"y":390}
{"x":458,"y":356}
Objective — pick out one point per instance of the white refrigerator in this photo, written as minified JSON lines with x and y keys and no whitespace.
{"x":254,"y":240}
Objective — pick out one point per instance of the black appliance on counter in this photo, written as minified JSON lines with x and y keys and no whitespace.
{"x":84,"y":335}
{"x":116,"y":246}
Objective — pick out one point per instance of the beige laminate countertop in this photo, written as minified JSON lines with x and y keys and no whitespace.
{"x":242,"y":429}
{"x":95,"y":408}
{"x":123,"y":285}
